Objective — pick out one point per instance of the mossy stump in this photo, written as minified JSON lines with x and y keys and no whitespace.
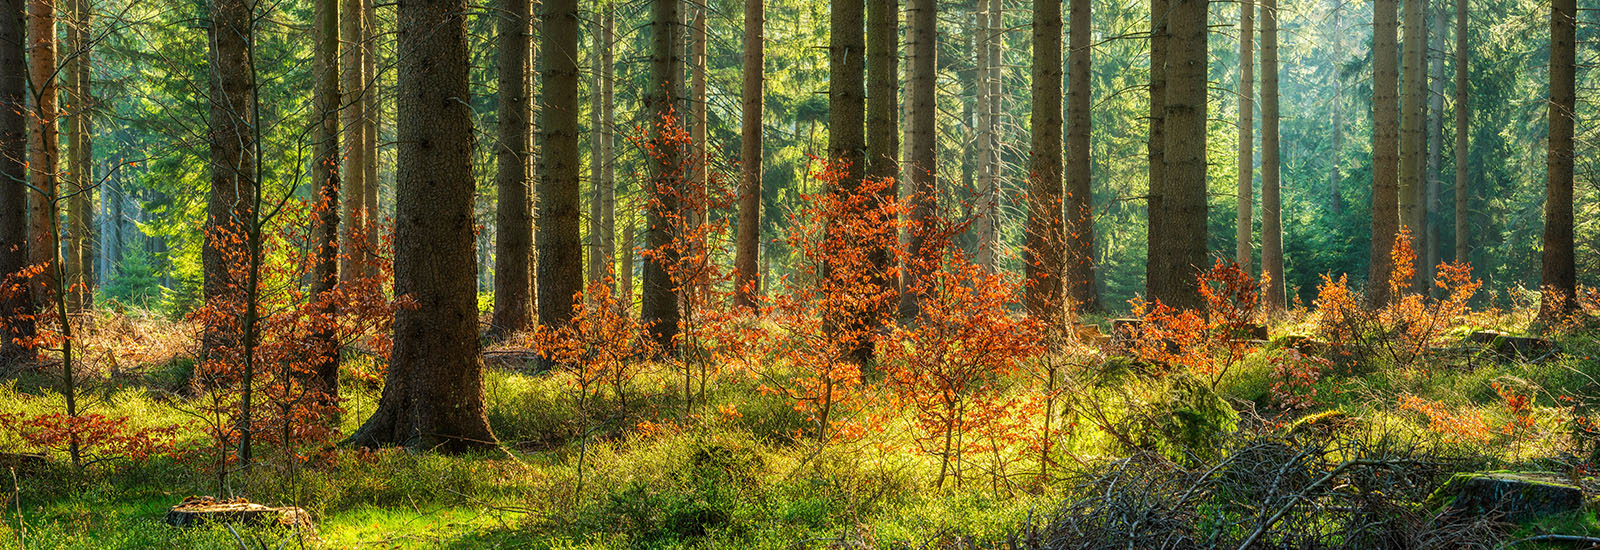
{"x":1514,"y":496}
{"x":197,"y":511}
{"x":1510,"y":346}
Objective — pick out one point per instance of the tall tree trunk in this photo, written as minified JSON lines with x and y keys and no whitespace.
{"x":44,"y":143}
{"x":17,"y":305}
{"x":1080,"y":279}
{"x":625,"y":278}
{"x":1046,"y":235}
{"x":659,"y":295}
{"x":80,"y":173}
{"x":433,"y":395}
{"x":1271,"y":205}
{"x":984,"y":207}
{"x":1244,"y":251}
{"x":1463,"y":119}
{"x":1558,"y":278}
{"x":1335,"y":196}
{"x":1435,"y":150}
{"x":883,"y":112}
{"x":353,"y":241}
{"x":230,"y":209}
{"x":1178,"y":227}
{"x":1155,"y":146}
{"x":701,"y":169}
{"x":559,"y":281}
{"x":1385,"y":150}
{"x":608,"y":180}
{"x":921,"y":137}
{"x":749,"y":231}
{"x":513,"y":219}
{"x":325,"y":173}
{"x":846,"y":90}
{"x":369,"y":132}
{"x":1413,"y":99}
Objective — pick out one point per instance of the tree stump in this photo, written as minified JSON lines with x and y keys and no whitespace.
{"x":1512,"y":346}
{"x":1515,"y":496}
{"x":197,"y":511}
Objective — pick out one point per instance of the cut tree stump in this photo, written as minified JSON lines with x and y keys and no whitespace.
{"x":197,"y":511}
{"x":1514,"y":496}
{"x":1506,"y":344}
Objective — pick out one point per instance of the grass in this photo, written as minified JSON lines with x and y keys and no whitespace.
{"x":718,"y":480}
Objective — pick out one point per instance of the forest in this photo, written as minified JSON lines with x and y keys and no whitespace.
{"x":793,"y":274}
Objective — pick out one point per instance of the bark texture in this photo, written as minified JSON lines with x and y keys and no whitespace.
{"x":1046,"y":235}
{"x":353,"y":242}
{"x":1178,"y":225}
{"x":79,"y":174}
{"x":13,"y":175}
{"x":1079,"y":276}
{"x":1463,"y":110}
{"x":44,"y":149}
{"x":749,"y":230}
{"x":658,"y":293}
{"x":1244,"y":230}
{"x":231,"y":205}
{"x":560,"y":277}
{"x":1385,"y":149}
{"x":325,"y":175}
{"x":1413,"y":142}
{"x":1558,"y":277}
{"x":1271,"y":203}
{"x":513,"y":217}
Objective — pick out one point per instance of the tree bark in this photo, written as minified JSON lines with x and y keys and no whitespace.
{"x":1463,"y":119}
{"x":659,"y":295}
{"x":1155,"y":203}
{"x":846,"y":91}
{"x":986,"y":209}
{"x":1079,"y":276}
{"x":1178,"y":227}
{"x":80,"y":174}
{"x":231,"y":206}
{"x":370,"y":124}
{"x":1042,"y":260}
{"x":1244,"y":230}
{"x":325,"y":174}
{"x":750,"y":159}
{"x":1271,"y":205}
{"x":1413,"y":144}
{"x":1435,"y":152}
{"x":883,"y":113}
{"x":44,"y":142}
{"x":353,"y":239}
{"x":608,"y":180}
{"x":1335,"y":196}
{"x":16,"y":306}
{"x":559,"y":157}
{"x":1558,"y":277}
{"x":1385,"y":150}
{"x":921,"y":138}
{"x":513,"y":219}
{"x":433,"y":393}
{"x":700,"y":164}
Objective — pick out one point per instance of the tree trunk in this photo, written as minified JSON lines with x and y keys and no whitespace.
{"x":1412,"y":111}
{"x":44,"y":141}
{"x":80,"y":174}
{"x":1079,"y":276}
{"x":986,"y":223}
{"x":1385,"y":150}
{"x":625,"y":279}
{"x":559,"y":157}
{"x":749,"y":231}
{"x":231,"y":206}
{"x":608,"y":180}
{"x":513,"y":220}
{"x":659,"y":295}
{"x":1244,"y":251}
{"x":922,"y":164}
{"x":1178,"y":227}
{"x":1463,"y":119}
{"x":846,"y":90}
{"x":15,"y":306}
{"x":700,"y":165}
{"x":325,"y":174}
{"x":883,"y":112}
{"x":1435,"y":152}
{"x":371,"y":216}
{"x":1155,"y":203}
{"x":353,"y":239}
{"x":433,"y":392}
{"x":1271,"y":205}
{"x":1558,"y":278}
{"x":1046,"y":234}
{"x":1335,"y":196}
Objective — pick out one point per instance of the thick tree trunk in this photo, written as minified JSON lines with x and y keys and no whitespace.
{"x":325,"y":174}
{"x":1079,"y":275}
{"x":1463,"y":119}
{"x":513,"y":219}
{"x":608,"y":180}
{"x":14,"y":306}
{"x":1271,"y":204}
{"x":659,"y":295}
{"x":1244,"y":230}
{"x":883,"y":103}
{"x":43,"y":140}
{"x":846,"y":90}
{"x":1558,"y":277}
{"x":1156,"y":165}
{"x":353,"y":240}
{"x":1413,"y":144}
{"x":80,"y":174}
{"x":1385,"y":150}
{"x":921,"y":138}
{"x":559,"y":166}
{"x":1431,"y":207}
{"x":1046,"y":235}
{"x":230,"y":209}
{"x":1178,"y":227}
{"x":749,"y":230}
{"x":433,"y":392}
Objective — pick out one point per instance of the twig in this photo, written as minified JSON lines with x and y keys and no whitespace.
{"x":1593,"y":541}
{"x":22,"y":537}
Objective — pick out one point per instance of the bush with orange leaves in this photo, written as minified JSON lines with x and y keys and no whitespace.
{"x":949,"y":365}
{"x":1403,"y":330}
{"x":1205,"y":343}
{"x":833,"y":303}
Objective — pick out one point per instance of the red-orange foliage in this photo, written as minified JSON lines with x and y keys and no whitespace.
{"x":98,"y":437}
{"x":1203,"y":343}
{"x":599,"y":346}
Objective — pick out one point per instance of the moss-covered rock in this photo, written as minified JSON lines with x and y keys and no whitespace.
{"x":1515,"y":496}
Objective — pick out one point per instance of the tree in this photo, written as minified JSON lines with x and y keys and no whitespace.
{"x":353,"y":117}
{"x":1558,"y":277}
{"x":846,"y":102}
{"x":15,"y":306}
{"x":1155,"y":138}
{"x":1435,"y":151}
{"x":602,"y":193}
{"x":231,"y":206}
{"x":921,"y":137}
{"x":1178,"y":217}
{"x":369,"y":133}
{"x":43,"y":141}
{"x":658,"y":307}
{"x":749,"y":231}
{"x":433,"y":395}
{"x":325,"y":174}
{"x":1079,"y":276}
{"x":1463,"y":119}
{"x":1042,"y":259}
{"x":1413,"y":101}
{"x":1271,"y":205}
{"x":558,"y":281}
{"x":986,"y":211}
{"x":513,"y":220}
{"x":883,"y":109}
{"x":1244,"y":251}
{"x":699,"y":170}
{"x":1385,"y":149}
{"x":80,"y":172}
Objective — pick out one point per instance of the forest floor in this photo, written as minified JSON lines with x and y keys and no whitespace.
{"x":733,"y":473}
